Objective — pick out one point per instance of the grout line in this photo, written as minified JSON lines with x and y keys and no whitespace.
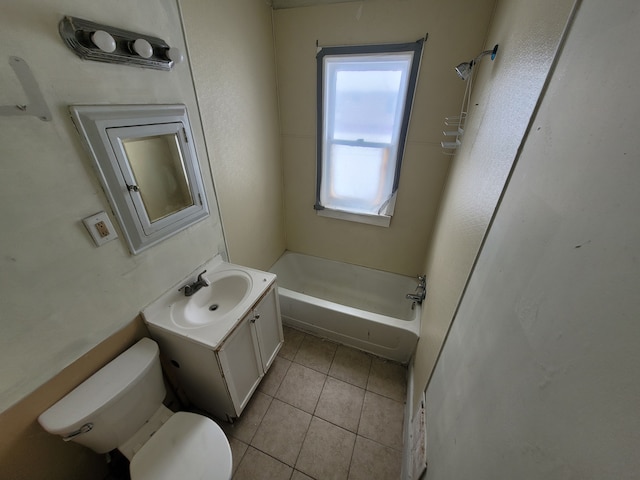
{"x":269,"y":455}
{"x":241,"y":457}
{"x":302,"y":444}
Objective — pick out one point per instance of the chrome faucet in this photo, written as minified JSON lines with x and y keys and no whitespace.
{"x":421,"y":290}
{"x":191,"y":288}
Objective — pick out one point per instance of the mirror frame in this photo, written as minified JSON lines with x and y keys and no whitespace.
{"x":101,"y":127}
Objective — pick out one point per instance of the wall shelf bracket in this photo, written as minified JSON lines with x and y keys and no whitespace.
{"x":36,"y":106}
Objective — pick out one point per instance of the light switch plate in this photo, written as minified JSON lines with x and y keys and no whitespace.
{"x":100,"y":228}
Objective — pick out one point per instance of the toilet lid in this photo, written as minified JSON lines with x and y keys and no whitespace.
{"x":187,"y":447}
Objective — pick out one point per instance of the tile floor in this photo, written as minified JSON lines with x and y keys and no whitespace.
{"x":324,"y":411}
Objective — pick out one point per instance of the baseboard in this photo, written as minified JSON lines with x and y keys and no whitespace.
{"x":406,"y":428}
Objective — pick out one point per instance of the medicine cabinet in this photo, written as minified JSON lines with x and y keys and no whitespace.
{"x":146,"y":161}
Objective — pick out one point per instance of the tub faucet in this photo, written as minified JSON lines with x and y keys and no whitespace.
{"x":421,"y":290}
{"x":191,"y":288}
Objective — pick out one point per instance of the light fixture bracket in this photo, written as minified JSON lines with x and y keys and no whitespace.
{"x":77,"y":32}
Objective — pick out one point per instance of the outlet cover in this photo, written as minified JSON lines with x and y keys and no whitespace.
{"x":100,"y":228}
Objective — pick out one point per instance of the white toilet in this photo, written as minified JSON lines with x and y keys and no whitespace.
{"x":120,"y":406}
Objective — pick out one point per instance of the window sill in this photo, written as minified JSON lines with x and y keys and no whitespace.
{"x":378,"y":220}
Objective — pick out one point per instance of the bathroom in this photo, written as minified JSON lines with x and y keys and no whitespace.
{"x":68,"y":307}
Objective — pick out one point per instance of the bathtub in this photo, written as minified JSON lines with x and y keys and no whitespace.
{"x":356,"y":306}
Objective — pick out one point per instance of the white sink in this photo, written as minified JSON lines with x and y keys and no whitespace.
{"x":210,"y":304}
{"x":209,"y":315}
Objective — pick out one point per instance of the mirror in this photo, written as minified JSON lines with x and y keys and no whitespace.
{"x":160,"y":174}
{"x":146,"y":160}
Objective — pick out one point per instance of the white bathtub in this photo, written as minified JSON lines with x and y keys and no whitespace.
{"x":353,"y":305}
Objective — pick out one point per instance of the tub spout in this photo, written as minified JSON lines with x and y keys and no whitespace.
{"x":418,"y":296}
{"x":421,"y":290}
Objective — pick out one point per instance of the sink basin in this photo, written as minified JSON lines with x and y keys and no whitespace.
{"x":227,"y":291}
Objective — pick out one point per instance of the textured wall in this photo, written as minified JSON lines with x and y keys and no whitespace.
{"x":540,"y":375}
{"x":60,"y":294}
{"x":456,"y":30}
{"x":505,"y":94}
{"x":231,"y":45}
{"x":23,"y":439}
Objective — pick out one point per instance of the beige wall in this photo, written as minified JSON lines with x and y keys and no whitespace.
{"x":505,"y":94}
{"x":27,"y":451}
{"x":231,"y":45}
{"x":456,"y":32}
{"x":60,"y":295}
{"x":540,"y":375}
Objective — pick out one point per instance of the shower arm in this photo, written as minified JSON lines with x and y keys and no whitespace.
{"x":491,"y":52}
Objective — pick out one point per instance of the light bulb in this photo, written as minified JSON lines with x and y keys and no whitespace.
{"x":103,"y":40}
{"x":175,"y":55}
{"x":143,"y":48}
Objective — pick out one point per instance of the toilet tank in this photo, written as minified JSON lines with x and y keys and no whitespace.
{"x":110,"y":406}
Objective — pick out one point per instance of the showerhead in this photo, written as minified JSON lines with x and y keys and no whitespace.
{"x":464,"y":69}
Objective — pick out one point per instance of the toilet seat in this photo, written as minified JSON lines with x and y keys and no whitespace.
{"x":186,"y":447}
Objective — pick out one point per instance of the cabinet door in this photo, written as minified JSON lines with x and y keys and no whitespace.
{"x":241,"y":364}
{"x":269,"y":327}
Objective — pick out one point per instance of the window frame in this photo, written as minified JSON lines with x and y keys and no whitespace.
{"x":383,"y":217}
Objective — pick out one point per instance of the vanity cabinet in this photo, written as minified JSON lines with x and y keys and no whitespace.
{"x":221,"y":381}
{"x":250,"y":349}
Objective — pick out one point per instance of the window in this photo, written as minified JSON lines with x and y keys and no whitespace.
{"x":364,"y":104}
{"x":146,"y":161}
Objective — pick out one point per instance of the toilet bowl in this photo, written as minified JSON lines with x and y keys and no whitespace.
{"x":120,"y":406}
{"x":188,"y":446}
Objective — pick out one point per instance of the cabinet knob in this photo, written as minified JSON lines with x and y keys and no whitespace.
{"x":257,"y":316}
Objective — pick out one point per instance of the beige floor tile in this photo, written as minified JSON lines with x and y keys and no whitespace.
{"x":351,"y":366}
{"x":340,"y":403}
{"x":301,"y":387}
{"x":381,"y":420}
{"x":326,"y":451}
{"x":256,"y":465}
{"x":271,"y":381}
{"x":316,"y":353}
{"x":388,"y":379}
{"x":292,"y":340}
{"x":238,"y":449}
{"x":245,"y":427}
{"x":372,"y":461}
{"x":282,"y":432}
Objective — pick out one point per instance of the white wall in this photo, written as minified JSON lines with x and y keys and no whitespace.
{"x":60,"y":295}
{"x":456,"y":31}
{"x":504,"y":97}
{"x":540,"y":374}
{"x":231,"y":46}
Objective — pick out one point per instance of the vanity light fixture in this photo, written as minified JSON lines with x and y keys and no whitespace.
{"x":102,"y":43}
